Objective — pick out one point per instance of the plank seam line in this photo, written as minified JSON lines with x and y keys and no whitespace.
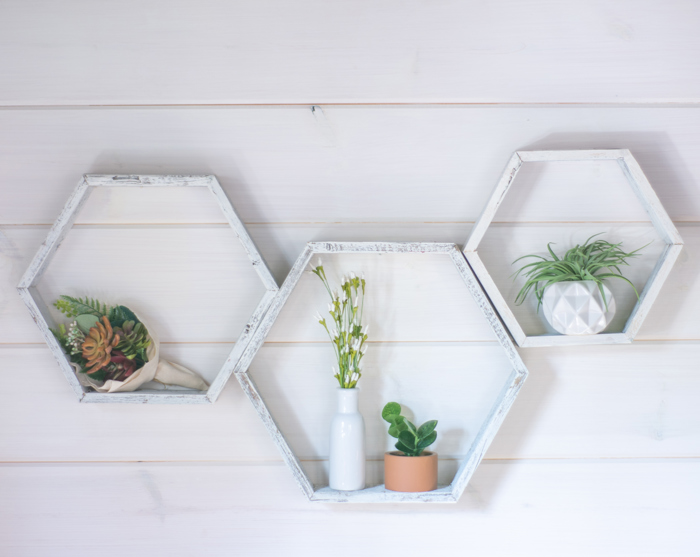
{"x":314,"y":223}
{"x":685,"y":103}
{"x":281,"y":463}
{"x":307,"y":342}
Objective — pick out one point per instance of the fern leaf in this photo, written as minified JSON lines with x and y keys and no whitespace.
{"x":73,"y":307}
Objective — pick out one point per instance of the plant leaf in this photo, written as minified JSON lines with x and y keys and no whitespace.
{"x":429,"y":440}
{"x":404,"y":449}
{"x":408,"y":439}
{"x":426,"y":429}
{"x":391,"y":409}
{"x":86,"y":321}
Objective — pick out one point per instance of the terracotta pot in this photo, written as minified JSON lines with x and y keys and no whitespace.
{"x":410,"y":474}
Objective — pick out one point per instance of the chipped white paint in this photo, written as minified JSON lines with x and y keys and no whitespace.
{"x":648,"y":199}
{"x":378,"y":494}
{"x":42,"y":317}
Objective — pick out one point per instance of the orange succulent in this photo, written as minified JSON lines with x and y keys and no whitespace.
{"x":98,"y":345}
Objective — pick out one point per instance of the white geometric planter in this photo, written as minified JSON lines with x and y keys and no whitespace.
{"x":42,"y":317}
{"x":378,"y":494}
{"x":577,"y":307}
{"x":646,"y":196}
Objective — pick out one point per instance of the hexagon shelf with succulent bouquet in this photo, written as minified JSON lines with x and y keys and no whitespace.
{"x":348,"y":336}
{"x":585,"y":306}
{"x":107,"y":352}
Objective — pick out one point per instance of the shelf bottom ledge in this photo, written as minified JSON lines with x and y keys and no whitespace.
{"x":379,"y":494}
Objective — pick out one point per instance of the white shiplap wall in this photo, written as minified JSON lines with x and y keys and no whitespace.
{"x":600,"y":454}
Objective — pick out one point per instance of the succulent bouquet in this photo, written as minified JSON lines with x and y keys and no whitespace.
{"x":113,"y":348}
{"x":348,"y":336}
{"x":104,"y":342}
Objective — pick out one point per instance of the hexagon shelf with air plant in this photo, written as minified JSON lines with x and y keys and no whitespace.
{"x":112,"y":338}
{"x":571,"y":285}
{"x":504,"y":380}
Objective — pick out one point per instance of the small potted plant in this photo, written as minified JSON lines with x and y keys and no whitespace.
{"x":571,"y":289}
{"x":410,"y":468}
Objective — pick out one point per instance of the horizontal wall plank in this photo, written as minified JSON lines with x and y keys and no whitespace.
{"x":592,"y":402}
{"x":195,"y":284}
{"x":310,"y":52}
{"x":358,"y":164}
{"x":647,"y":507}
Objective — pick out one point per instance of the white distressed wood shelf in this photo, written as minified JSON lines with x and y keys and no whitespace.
{"x":378,"y":494}
{"x":42,"y":317}
{"x":648,"y":199}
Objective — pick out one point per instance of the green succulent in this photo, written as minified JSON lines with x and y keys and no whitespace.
{"x":133,"y":340}
{"x":412,"y":441}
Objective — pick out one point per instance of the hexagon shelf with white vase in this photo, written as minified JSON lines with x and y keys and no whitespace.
{"x":458,"y":366}
{"x":566,"y":215}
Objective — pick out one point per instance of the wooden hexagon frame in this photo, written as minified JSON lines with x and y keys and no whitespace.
{"x":647,"y":197}
{"x":41,"y":315}
{"x":378,"y":494}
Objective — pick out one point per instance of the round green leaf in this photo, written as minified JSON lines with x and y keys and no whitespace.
{"x":391,"y":409}
{"x":86,"y":321}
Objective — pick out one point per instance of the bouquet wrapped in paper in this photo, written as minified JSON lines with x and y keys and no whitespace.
{"x":113,"y":351}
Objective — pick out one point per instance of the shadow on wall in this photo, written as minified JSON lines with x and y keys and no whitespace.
{"x":655,"y":153}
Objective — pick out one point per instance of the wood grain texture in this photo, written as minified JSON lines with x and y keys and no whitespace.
{"x":172,"y":299}
{"x":323,"y":172}
{"x":576,"y":403}
{"x":312,"y":53}
{"x":278,"y":165}
{"x":184,"y":508}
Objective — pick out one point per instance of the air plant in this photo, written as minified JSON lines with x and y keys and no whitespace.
{"x":594,"y":261}
{"x":347,"y":335}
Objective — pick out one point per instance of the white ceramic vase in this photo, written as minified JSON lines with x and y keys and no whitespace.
{"x":347,"y":454}
{"x":577,"y":307}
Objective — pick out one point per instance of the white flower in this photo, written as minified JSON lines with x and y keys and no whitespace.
{"x":330,"y":307}
{"x":320,"y":262}
{"x":319,"y":316}
{"x":366,"y":330}
{"x":363,"y":350}
{"x":335,"y":333}
{"x":357,"y":298}
{"x":352,"y":276}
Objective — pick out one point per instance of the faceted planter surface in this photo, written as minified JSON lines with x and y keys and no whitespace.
{"x":577,"y":307}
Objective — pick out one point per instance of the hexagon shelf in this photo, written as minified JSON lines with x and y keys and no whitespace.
{"x":496,"y":413}
{"x":37,"y":307}
{"x":646,"y":196}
